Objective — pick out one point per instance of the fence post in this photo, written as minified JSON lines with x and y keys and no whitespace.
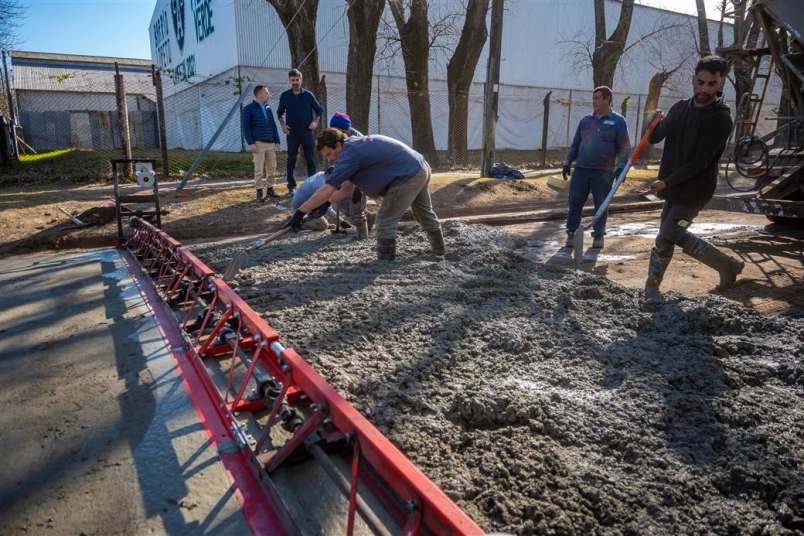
{"x":545,"y":123}
{"x":624,"y":106}
{"x":569,"y":116}
{"x":11,"y":112}
{"x":156,"y":75}
{"x":639,"y":116}
{"x":379,"y":107}
{"x":122,"y":116}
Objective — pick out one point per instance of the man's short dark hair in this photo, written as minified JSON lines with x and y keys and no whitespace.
{"x":294,"y":72}
{"x":605,"y":90}
{"x":713,"y":64}
{"x":257,"y":90}
{"x":330,"y":137}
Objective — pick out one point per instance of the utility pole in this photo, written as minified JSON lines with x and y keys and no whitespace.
{"x":492,"y":91}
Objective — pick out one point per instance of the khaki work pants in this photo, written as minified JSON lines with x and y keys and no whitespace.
{"x":413,"y":194}
{"x":264,"y":164}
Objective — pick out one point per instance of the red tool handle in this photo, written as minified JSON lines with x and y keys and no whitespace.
{"x":644,"y":141}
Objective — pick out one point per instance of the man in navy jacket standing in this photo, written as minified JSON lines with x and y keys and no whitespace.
{"x":262,"y":137}
{"x":298,"y":113}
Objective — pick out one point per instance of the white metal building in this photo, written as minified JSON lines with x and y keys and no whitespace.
{"x":208,"y":46}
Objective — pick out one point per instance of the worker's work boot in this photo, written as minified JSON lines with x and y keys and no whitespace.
{"x":656,"y":268}
{"x":570,"y":243}
{"x":386,"y":249}
{"x":270,"y":193}
{"x":437,"y":242}
{"x":597,"y":242}
{"x":703,"y":251}
{"x":260,"y":198}
{"x":362,"y":230}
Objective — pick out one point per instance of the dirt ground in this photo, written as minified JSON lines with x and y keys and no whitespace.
{"x":772,"y":281}
{"x":30,"y":218}
{"x":546,"y":400}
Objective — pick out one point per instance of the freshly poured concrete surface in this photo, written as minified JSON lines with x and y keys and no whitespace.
{"x":97,"y":433}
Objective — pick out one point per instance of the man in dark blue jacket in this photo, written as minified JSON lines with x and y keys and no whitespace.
{"x":600,"y":150}
{"x":262,"y":137}
{"x":298,"y":113}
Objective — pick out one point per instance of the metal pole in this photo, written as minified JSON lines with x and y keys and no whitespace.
{"x":638,"y":114}
{"x":211,"y":142}
{"x":240,"y":92}
{"x":122,"y":117}
{"x":11,"y":111}
{"x":492,"y":93}
{"x":545,"y":124}
{"x":160,"y":110}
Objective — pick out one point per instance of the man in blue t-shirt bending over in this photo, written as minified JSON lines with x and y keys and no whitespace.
{"x":381,"y":167}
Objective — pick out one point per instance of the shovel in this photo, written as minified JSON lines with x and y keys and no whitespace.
{"x":578,"y":238}
{"x":239,"y":260}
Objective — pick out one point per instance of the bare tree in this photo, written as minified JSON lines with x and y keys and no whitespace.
{"x":364,"y":19}
{"x":461,"y":72}
{"x":608,"y":50}
{"x":703,"y":29}
{"x":413,"y":27}
{"x":11,"y":12}
{"x":298,"y":17}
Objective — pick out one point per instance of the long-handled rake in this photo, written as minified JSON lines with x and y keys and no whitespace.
{"x":240,"y":258}
{"x":578,"y":238}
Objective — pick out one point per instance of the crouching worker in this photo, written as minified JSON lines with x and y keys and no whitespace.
{"x":315,"y":220}
{"x":381,"y":167}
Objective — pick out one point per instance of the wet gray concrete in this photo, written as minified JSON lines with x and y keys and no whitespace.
{"x":97,"y":432}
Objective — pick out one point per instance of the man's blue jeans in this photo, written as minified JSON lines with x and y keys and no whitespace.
{"x":585,"y":180}
{"x":307,"y":141}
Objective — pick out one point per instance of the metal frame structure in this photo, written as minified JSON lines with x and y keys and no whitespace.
{"x":212,"y":322}
{"x":121,"y":202}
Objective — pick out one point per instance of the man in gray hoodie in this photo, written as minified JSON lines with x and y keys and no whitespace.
{"x":695,"y":132}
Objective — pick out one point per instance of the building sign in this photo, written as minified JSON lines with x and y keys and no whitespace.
{"x":192,"y":40}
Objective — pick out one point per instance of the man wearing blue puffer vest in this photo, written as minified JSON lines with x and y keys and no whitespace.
{"x":262,"y":138}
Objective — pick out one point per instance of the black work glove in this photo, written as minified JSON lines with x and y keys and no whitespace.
{"x":319,"y":211}
{"x":295,"y":221}
{"x":328,"y":172}
{"x":565,"y":171}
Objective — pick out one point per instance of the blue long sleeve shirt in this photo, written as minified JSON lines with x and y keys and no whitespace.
{"x":375,"y":162}
{"x":299,"y":110}
{"x":259,"y":124}
{"x":600,"y":143}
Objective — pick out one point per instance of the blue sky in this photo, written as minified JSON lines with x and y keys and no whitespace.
{"x":120,"y":27}
{"x":95,"y":27}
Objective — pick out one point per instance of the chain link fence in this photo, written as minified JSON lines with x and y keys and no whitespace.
{"x":62,"y":109}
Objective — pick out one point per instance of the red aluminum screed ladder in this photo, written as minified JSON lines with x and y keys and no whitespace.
{"x":209,"y":320}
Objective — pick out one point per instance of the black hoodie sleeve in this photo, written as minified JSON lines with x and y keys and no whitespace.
{"x":713,"y":136}
{"x":665,"y":125}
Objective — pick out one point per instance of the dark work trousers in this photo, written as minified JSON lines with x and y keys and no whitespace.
{"x":585,"y":180}
{"x":307,"y":141}
{"x":676,"y":219}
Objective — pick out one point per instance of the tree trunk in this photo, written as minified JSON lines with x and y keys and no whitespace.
{"x":300,"y":26}
{"x":609,"y":50}
{"x":414,"y":35}
{"x":364,"y":19}
{"x":655,"y":87}
{"x":460,"y":73}
{"x":720,"y":25}
{"x":703,"y":29}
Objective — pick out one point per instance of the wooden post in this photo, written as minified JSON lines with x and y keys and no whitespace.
{"x":11,"y":112}
{"x":545,"y":124}
{"x":122,"y":117}
{"x":160,"y":111}
{"x":379,"y":107}
{"x":492,"y":92}
{"x":569,"y":117}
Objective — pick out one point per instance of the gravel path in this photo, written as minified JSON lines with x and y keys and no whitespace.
{"x":547,"y":401}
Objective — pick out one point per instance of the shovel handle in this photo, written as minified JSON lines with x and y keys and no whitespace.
{"x":619,"y":180}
